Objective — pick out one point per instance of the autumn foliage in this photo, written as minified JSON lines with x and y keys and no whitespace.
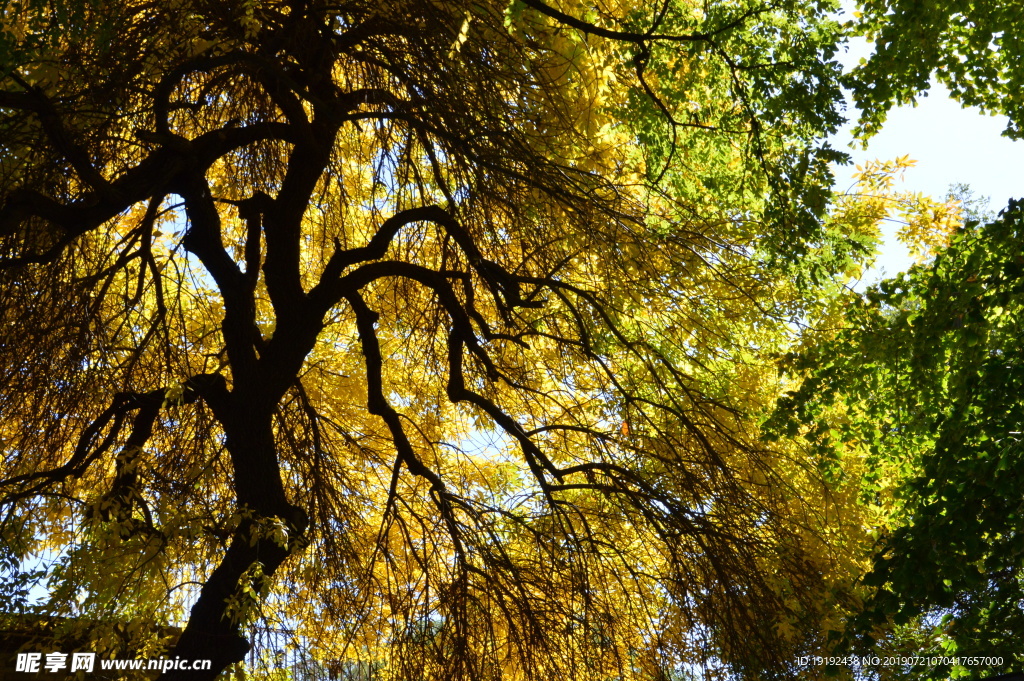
{"x":436,"y":335}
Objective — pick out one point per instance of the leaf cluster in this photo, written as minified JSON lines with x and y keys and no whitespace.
{"x":924,"y":382}
{"x":973,"y":47}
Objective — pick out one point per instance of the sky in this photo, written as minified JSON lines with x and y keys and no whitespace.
{"x":951,"y":145}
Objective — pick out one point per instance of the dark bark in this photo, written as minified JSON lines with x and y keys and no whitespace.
{"x":262,"y":374}
{"x":211,"y":633}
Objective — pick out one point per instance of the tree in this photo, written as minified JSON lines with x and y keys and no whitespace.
{"x":926,"y":377}
{"x":273,"y":271}
{"x":917,"y":381}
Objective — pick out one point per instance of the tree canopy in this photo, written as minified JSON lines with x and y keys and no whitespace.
{"x":941,"y":343}
{"x":443,"y":339}
{"x":427,"y":331}
{"x":917,"y":380}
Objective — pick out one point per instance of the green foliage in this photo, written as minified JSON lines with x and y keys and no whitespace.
{"x":15,"y":581}
{"x":779,"y":81}
{"x":276,"y":265}
{"x":973,"y":47}
{"x":925,"y":382}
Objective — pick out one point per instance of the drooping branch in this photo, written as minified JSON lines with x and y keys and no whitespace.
{"x":632,"y":36}
{"x":211,"y":388}
{"x":503,"y":285}
{"x":376,"y":403}
{"x":461,"y":335}
{"x":34,"y":99}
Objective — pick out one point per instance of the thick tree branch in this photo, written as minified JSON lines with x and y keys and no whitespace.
{"x":150,"y":177}
{"x":503,"y":285}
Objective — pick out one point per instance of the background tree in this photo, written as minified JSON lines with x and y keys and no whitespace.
{"x":913,"y":383}
{"x":274,"y":272}
{"x":922,"y":382}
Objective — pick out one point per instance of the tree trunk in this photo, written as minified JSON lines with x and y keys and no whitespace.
{"x":212,"y":632}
